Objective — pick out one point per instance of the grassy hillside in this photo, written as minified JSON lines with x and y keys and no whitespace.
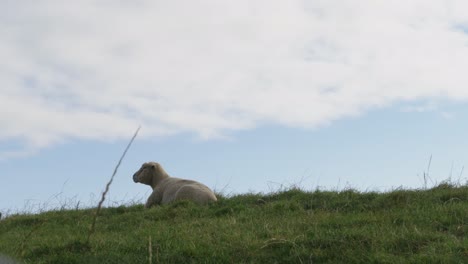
{"x":293,"y":226}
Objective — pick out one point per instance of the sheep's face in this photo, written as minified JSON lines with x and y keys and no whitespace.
{"x":145,"y":173}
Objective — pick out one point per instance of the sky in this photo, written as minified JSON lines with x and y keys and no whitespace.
{"x":244,"y":96}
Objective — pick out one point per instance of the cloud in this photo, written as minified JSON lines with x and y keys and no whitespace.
{"x":96,"y":70}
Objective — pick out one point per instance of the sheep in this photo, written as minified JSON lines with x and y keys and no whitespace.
{"x":167,"y":189}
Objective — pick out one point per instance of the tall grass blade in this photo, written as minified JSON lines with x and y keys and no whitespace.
{"x":103,"y":197}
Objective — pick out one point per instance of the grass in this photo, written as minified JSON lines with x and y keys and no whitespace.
{"x":291,"y":226}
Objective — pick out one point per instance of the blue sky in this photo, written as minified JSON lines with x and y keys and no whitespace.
{"x":243,"y":96}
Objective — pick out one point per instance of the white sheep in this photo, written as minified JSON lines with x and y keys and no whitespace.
{"x":167,"y":189}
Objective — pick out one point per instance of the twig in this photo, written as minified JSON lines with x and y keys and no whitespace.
{"x":150,"y":250}
{"x":92,"y":228}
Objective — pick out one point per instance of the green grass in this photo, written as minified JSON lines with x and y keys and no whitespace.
{"x":292,"y":226}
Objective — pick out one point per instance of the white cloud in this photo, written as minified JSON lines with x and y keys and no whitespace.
{"x":97,"y":69}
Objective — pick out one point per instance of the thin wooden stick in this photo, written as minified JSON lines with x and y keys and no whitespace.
{"x":150,"y":250}
{"x":103,"y":197}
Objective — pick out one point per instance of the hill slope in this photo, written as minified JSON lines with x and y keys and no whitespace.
{"x":292,"y":226}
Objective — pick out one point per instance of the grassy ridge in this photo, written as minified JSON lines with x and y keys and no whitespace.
{"x":293,"y":226}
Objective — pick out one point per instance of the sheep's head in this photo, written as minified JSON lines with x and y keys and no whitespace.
{"x":147,"y":171}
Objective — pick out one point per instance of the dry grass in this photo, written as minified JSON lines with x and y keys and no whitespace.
{"x":103,"y":197}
